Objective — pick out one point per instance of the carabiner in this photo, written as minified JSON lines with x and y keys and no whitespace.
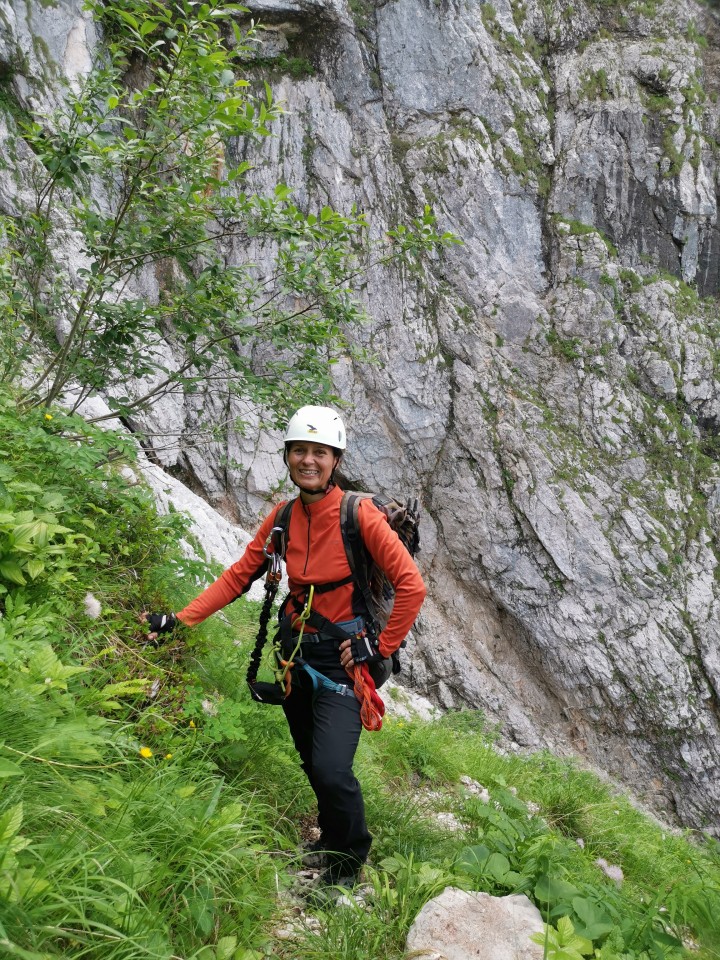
{"x":274,"y":570}
{"x":269,"y":541}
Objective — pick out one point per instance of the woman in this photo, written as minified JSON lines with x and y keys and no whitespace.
{"x":325,"y":726}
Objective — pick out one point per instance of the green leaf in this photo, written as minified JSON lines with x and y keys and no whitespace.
{"x":666,"y":939}
{"x":202,"y":908}
{"x":26,"y":885}
{"x":147,"y":27}
{"x":26,"y":486}
{"x":15,"y":951}
{"x":226,"y":946}
{"x":125,"y":688}
{"x":550,"y":889}
{"x":570,"y":941}
{"x":53,"y":500}
{"x":540,"y":938}
{"x":474,"y":856}
{"x":205,"y":953}
{"x":11,"y":571}
{"x":593,"y":920}
{"x":24,"y":533}
{"x":210,"y":810}
{"x":497,"y":866}
{"x":34,"y":568}
{"x":566,"y":953}
{"x":10,"y":822}
{"x":44,"y":665}
{"x":9,"y":769}
{"x":127,"y":17}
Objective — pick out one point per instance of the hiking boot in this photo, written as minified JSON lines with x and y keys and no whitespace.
{"x":333,"y":887}
{"x":339,"y":875}
{"x":313,"y":854}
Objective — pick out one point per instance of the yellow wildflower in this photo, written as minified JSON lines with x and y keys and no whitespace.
{"x":146,"y":752}
{"x":192,"y":724}
{"x":168,"y":756}
{"x":48,"y":416}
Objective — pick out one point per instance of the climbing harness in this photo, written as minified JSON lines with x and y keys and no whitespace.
{"x":275,"y":693}
{"x":373,"y":593}
{"x":372,"y":601}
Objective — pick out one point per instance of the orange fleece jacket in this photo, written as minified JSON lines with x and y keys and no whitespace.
{"x":316,"y":555}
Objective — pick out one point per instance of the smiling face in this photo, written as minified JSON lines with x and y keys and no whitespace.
{"x":311,"y":466}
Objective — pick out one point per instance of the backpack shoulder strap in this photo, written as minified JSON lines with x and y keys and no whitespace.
{"x":281,"y":529}
{"x":357,"y":555}
{"x":350,"y":527}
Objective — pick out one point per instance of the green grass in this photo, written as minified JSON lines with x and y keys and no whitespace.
{"x":150,"y":810}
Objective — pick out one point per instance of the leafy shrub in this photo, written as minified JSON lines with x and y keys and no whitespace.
{"x":118,"y":838}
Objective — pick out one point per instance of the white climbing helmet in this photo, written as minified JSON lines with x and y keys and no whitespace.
{"x":319,"y":424}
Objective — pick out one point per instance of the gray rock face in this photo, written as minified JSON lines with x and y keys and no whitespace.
{"x":550,"y":388}
{"x":461,"y":925}
{"x":43,"y":43}
{"x":635,"y":161}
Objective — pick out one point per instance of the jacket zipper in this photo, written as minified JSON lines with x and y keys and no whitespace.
{"x":307,"y":554}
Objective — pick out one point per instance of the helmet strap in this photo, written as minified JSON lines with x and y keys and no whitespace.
{"x":330,"y":485}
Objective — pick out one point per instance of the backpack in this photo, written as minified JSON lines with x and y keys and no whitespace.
{"x":374,"y":594}
{"x":377,"y":591}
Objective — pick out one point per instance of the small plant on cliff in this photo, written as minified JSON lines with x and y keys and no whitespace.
{"x":140,"y":166}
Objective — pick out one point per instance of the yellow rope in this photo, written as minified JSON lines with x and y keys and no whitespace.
{"x":302,"y":618}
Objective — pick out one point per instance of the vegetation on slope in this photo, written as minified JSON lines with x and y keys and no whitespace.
{"x":150,"y":810}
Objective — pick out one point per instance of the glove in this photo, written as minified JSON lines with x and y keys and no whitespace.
{"x":365,"y":650}
{"x":161,"y":622}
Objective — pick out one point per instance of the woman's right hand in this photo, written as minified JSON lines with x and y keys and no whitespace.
{"x":159,"y":623}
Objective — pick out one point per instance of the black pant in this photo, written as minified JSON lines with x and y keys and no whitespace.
{"x":325,"y":728}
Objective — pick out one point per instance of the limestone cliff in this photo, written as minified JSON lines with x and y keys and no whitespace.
{"x":550,"y":387}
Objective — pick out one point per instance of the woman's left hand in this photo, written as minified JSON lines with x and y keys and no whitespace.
{"x":346,"y":655}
